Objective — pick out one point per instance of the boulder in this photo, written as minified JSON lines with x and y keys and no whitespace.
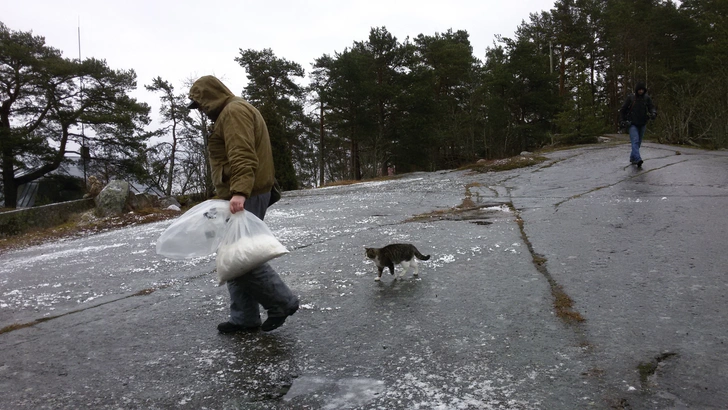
{"x":93,"y":187}
{"x":114,"y":199}
{"x":143,"y":201}
{"x":167,"y":201}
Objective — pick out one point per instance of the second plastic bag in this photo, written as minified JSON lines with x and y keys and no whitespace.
{"x":197,"y":232}
{"x":247,"y":244}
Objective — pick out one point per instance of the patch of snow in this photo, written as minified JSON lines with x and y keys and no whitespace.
{"x":500,"y":208}
{"x":447,"y":258}
{"x":278,"y":213}
{"x":63,"y":254}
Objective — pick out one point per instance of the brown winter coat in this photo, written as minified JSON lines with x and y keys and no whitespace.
{"x":239,"y":146}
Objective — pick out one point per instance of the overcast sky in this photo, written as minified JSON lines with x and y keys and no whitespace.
{"x":182,"y":39}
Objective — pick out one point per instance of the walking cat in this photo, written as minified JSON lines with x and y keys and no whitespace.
{"x":404,"y":254}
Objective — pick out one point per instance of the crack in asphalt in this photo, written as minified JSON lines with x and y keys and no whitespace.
{"x":563,"y":304}
{"x":494,"y":191}
{"x":648,"y":369}
{"x":552,"y":163}
{"x":564,"y":307}
{"x":143,"y":292}
{"x":556,"y":205}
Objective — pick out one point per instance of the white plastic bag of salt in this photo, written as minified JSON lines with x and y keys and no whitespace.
{"x":247,"y":244}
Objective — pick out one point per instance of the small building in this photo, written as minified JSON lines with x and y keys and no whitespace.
{"x":66,"y":183}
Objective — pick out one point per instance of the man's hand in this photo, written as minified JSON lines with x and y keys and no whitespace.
{"x":237,"y":203}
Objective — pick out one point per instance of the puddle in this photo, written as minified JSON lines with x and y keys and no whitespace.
{"x":335,"y":394}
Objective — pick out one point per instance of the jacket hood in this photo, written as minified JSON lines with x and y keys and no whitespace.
{"x":640,"y":86}
{"x":211,"y":94}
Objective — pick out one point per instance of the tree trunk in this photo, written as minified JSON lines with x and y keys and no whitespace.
{"x":209,"y":187}
{"x":562,"y":72}
{"x":355,"y":162}
{"x":10,"y":189}
{"x":170,"y":176}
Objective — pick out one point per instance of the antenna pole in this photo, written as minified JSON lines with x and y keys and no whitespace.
{"x":84,"y":148}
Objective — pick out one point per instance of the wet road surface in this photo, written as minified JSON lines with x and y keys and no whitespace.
{"x":104,"y":322}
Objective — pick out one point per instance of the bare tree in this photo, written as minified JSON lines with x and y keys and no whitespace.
{"x":174,"y":114}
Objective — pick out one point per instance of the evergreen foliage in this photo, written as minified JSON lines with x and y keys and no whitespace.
{"x":44,"y":100}
{"x":386,"y":105}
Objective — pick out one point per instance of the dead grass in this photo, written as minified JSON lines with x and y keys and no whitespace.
{"x":432,"y":216}
{"x":83,"y":225}
{"x":353,"y":181}
{"x":505,"y":164}
{"x":466,"y":205}
{"x":468,"y":202}
{"x":145,"y":292}
{"x":149,"y":291}
{"x":16,"y":326}
{"x":564,"y":305}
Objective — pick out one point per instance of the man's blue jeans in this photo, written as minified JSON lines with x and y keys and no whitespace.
{"x":636,"y":132}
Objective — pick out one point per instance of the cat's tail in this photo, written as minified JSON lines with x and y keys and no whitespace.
{"x":421,"y":256}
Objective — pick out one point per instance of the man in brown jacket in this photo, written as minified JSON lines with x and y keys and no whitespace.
{"x":243,"y":172}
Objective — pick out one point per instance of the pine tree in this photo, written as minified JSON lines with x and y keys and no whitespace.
{"x":273,"y":90}
{"x":43,"y":106}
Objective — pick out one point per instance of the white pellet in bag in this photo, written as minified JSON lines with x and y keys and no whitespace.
{"x":247,"y":244}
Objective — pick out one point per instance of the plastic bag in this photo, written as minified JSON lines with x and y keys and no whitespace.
{"x":198,"y":232}
{"x":247,"y":244}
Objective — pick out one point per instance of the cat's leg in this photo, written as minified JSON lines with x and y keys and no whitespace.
{"x":379,"y":275}
{"x":416,"y":266}
{"x":391,"y":270}
{"x":405,"y":267}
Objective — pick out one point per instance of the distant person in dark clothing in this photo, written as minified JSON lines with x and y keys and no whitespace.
{"x":635,"y":113}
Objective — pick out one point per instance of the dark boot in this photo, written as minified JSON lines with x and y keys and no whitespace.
{"x":275,"y":322}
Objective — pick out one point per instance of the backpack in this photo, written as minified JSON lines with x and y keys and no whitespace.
{"x":275,"y":193}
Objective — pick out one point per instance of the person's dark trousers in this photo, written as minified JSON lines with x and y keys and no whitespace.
{"x":261,"y":285}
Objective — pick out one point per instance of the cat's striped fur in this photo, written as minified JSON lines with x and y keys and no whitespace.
{"x":404,"y":254}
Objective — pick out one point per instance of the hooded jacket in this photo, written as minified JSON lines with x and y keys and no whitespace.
{"x":239,"y":146}
{"x":638,"y":108}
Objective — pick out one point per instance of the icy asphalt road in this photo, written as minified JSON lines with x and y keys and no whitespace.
{"x":103,"y":322}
